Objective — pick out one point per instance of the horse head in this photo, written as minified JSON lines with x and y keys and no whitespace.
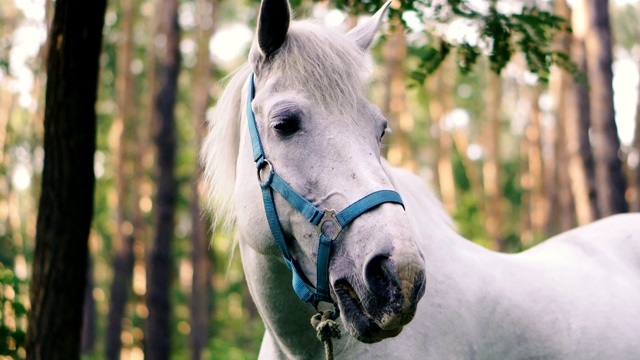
{"x":322,"y":138}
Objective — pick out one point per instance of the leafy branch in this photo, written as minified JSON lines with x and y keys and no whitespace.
{"x":499,"y":35}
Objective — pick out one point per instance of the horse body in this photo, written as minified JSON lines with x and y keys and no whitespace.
{"x":576,"y":296}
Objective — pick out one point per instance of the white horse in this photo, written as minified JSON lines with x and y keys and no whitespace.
{"x":576,"y":296}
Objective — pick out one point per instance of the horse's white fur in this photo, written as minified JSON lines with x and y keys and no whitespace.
{"x":576,"y":296}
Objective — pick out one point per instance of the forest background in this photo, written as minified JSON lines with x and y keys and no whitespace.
{"x":516,"y":157}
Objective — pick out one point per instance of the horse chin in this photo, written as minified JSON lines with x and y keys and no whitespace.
{"x":356,"y":318}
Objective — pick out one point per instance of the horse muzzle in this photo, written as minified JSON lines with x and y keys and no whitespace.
{"x":385,"y":299}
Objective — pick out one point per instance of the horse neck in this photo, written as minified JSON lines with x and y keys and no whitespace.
{"x":464,"y":292}
{"x":286,"y":318}
{"x":459,"y":274}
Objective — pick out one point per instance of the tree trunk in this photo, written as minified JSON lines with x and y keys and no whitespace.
{"x":158,"y":325}
{"x":394,"y":103}
{"x":635,"y":172}
{"x":561,"y":87}
{"x":610,"y":182}
{"x":539,"y":209}
{"x":7,"y":103}
{"x":491,"y":169}
{"x":122,"y":240}
{"x":526,"y":230}
{"x":577,"y":124}
{"x":201,"y":289}
{"x":445,"y":88}
{"x":634,"y":155}
{"x":66,"y":203}
{"x":89,"y":314}
{"x":635,"y":163}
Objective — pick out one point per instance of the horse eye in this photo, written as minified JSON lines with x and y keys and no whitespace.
{"x":385,"y":129}
{"x":286,"y":126}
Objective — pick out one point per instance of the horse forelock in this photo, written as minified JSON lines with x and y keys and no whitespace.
{"x":321,"y":63}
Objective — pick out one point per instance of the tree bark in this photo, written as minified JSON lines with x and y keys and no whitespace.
{"x":635,"y":168}
{"x":66,"y":202}
{"x":634,"y":156}
{"x":122,"y":240}
{"x":7,"y":103}
{"x":491,"y":169}
{"x":561,"y":87}
{"x":89,"y":314}
{"x":610,"y":182}
{"x":526,"y":231}
{"x":539,"y":209}
{"x":635,"y":172}
{"x":445,"y":84}
{"x":394,"y":102}
{"x":201,"y":289}
{"x":577,"y":123}
{"x":158,"y":325}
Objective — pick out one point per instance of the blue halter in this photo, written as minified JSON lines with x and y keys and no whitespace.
{"x":315,"y":216}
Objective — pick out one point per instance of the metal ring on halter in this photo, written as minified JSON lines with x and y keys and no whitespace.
{"x":262,"y":165}
{"x":329,"y":216}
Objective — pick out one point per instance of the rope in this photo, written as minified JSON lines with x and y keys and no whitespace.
{"x":326,"y":329}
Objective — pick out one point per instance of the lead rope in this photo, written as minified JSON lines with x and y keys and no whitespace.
{"x":326,"y":330}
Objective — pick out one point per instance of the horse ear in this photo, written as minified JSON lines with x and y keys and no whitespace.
{"x":364,"y":34}
{"x":273,"y":25}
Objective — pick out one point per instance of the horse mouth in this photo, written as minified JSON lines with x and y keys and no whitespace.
{"x":357,"y":319}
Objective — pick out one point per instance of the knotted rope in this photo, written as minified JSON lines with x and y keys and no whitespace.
{"x":326,"y":329}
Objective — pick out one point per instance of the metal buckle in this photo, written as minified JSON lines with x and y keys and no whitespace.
{"x":329,"y":216}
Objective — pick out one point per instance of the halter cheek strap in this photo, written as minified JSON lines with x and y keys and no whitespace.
{"x":273,"y":182}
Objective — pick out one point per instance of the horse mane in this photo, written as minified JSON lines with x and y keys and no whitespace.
{"x":220,"y":148}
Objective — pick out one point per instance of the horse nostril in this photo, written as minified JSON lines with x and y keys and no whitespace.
{"x":380,"y":275}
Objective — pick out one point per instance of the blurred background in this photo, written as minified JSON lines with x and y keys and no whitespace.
{"x":549,"y":143}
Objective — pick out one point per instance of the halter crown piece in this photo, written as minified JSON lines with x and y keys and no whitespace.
{"x":301,"y":285}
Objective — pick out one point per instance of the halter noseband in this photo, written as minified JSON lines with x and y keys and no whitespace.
{"x":315,"y":216}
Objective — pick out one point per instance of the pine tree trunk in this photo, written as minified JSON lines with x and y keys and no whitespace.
{"x":635,"y":170}
{"x":610,"y":182}
{"x":66,"y":202}
{"x":526,"y":231}
{"x":539,"y":200}
{"x":634,"y":155}
{"x":122,"y":239}
{"x":89,"y":314}
{"x":577,"y":124}
{"x":158,"y":324}
{"x":561,"y":87}
{"x":201,"y":289}
{"x":394,"y":103}
{"x":445,"y":89}
{"x":491,"y":169}
{"x":7,"y":103}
